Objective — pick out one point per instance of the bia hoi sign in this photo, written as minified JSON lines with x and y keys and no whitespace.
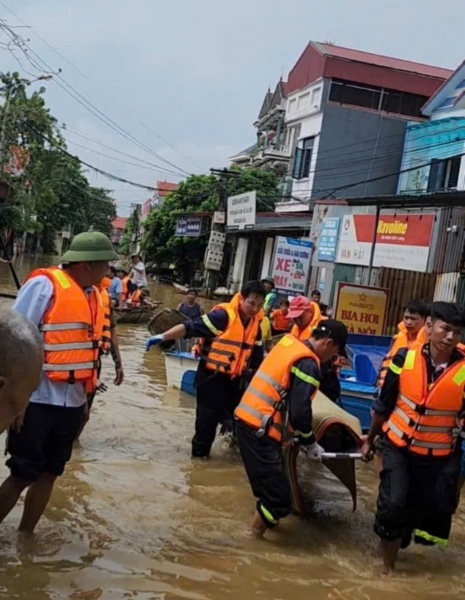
{"x":241,"y":211}
{"x":361,"y":308}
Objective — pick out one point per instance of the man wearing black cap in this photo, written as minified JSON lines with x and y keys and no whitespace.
{"x":277,"y":406}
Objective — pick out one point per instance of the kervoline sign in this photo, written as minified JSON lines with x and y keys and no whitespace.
{"x":402,"y":241}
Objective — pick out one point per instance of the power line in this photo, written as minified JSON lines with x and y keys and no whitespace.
{"x":27,"y":51}
{"x":66,"y":128}
{"x":83,"y":75}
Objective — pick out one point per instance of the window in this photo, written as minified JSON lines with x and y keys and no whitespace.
{"x":303,"y":158}
{"x":292,"y":105}
{"x":447,"y":103}
{"x":345,"y":92}
{"x":444,"y":174}
{"x":303,"y":101}
{"x":316,"y":97}
{"x":391,"y":101}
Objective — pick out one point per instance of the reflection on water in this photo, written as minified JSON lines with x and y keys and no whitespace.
{"x":134,"y":517}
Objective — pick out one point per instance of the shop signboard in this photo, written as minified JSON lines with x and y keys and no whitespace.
{"x":361,"y":308}
{"x":291,"y":264}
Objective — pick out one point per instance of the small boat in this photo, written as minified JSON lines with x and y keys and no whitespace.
{"x":135,"y":314}
{"x":358,"y":390}
{"x":182,"y":289}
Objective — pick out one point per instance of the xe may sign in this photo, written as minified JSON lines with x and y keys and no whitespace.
{"x":292,"y":264}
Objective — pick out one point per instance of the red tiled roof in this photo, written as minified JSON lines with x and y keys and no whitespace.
{"x":119,"y":222}
{"x":165,"y":187}
{"x":383,"y":61}
{"x":324,"y":60}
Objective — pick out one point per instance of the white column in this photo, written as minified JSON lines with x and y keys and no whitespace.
{"x":239,"y":263}
{"x":267,"y":257}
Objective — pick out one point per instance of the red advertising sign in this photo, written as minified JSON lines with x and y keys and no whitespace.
{"x":402,"y":241}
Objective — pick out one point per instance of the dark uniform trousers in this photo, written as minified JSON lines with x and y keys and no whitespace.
{"x":264,"y":465}
{"x":416,"y":493}
{"x":217,"y":398}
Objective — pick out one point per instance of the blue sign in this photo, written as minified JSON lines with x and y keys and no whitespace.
{"x":328,"y":239}
{"x":189,"y":226}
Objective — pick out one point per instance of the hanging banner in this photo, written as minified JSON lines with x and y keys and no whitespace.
{"x":402,"y":241}
{"x":361,"y":308}
{"x":328,"y":239}
{"x":291,"y":265}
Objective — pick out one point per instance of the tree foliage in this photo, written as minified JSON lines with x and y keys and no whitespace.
{"x":199,"y":193}
{"x":52,"y":193}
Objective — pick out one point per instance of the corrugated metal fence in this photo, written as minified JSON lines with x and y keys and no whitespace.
{"x":446,"y":287}
{"x":404,"y":286}
{"x":450,"y":242}
{"x":341,"y":273}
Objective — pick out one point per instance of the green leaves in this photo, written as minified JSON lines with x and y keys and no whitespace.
{"x":52,"y":193}
{"x":199,"y":193}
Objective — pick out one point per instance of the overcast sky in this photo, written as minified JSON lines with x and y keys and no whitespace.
{"x":186,"y":78}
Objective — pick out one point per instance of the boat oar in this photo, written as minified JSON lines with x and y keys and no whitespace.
{"x":5,"y":295}
{"x":341,"y":455}
{"x":12,"y":269}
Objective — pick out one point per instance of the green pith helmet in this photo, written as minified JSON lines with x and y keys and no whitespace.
{"x":122,"y":268}
{"x":90,"y":246}
{"x":269,"y":280}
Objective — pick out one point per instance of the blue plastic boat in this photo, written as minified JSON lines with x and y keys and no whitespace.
{"x":365,"y":353}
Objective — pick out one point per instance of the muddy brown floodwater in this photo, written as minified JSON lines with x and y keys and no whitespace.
{"x":135,"y":517}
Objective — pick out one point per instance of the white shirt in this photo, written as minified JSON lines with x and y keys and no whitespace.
{"x":138,"y":274}
{"x":33,"y":300}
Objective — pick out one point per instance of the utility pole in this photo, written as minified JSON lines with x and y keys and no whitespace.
{"x":223,"y":176}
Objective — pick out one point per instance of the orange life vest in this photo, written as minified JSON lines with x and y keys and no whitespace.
{"x":262,"y":404}
{"x":72,"y":330}
{"x":230,"y":351}
{"x":400,"y":340}
{"x":424,"y":417}
{"x":135,"y":298}
{"x":280,"y":321}
{"x":105,"y":343}
{"x":124,"y":283}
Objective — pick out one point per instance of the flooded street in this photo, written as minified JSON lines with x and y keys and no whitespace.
{"x":135,"y":517}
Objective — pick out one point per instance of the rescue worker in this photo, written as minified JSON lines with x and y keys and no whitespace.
{"x":281,"y":321}
{"x":190,"y":308}
{"x":411,"y":329}
{"x":420,"y":402}
{"x":67,"y":308}
{"x":141,"y":298}
{"x":108,"y":344}
{"x":276,"y":407}
{"x":230,"y":353}
{"x":271,"y":297}
{"x":306,"y":315}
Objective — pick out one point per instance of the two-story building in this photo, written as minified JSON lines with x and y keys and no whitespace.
{"x":347,"y":113}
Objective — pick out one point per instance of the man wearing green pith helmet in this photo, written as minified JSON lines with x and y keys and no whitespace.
{"x":65,"y":305}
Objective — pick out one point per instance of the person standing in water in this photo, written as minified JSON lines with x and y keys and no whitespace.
{"x":230,"y":352}
{"x":66,"y":307}
{"x":190,"y":308}
{"x":420,"y":405}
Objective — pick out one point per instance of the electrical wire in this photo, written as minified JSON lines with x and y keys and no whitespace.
{"x":78,"y":97}
{"x":145,"y":125}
